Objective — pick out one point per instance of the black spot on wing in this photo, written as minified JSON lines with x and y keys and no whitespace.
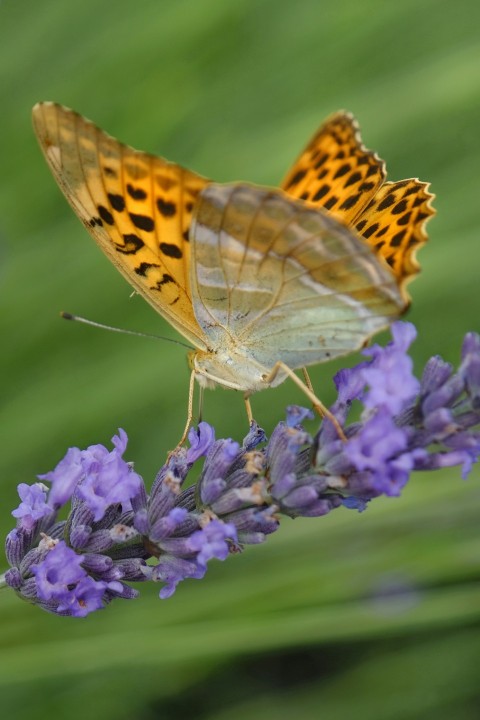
{"x":331,"y":202}
{"x":405,"y":219}
{"x":350,"y":202}
{"x":106,"y":215}
{"x":342,"y":170}
{"x":117,"y":202}
{"x":386,"y":202}
{"x":171,"y":250}
{"x":165,"y":280}
{"x":143,"y":222}
{"x":297,"y":177}
{"x":397,"y":239}
{"x":399,"y":207}
{"x":321,"y":192}
{"x":321,"y":160}
{"x":144,"y":267}
{"x":366,"y":186}
{"x":167,"y":209}
{"x":370,"y":230}
{"x":136,"y":193}
{"x":354,"y":178}
{"x":132,"y":244}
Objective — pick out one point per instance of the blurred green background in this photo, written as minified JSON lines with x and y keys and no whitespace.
{"x":366,"y":616}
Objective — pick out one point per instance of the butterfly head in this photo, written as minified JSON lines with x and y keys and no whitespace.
{"x":228,"y":369}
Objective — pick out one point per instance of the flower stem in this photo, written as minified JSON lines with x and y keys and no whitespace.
{"x":3,"y":582}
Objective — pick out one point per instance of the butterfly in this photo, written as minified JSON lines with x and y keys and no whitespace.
{"x":261,"y":281}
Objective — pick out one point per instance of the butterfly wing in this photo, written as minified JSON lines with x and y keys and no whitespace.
{"x":137,"y":207}
{"x":393,"y":223}
{"x":337,"y":172}
{"x":281,"y":281}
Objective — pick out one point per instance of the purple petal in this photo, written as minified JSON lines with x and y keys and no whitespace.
{"x":296,"y":415}
{"x":378,"y":441}
{"x":60,"y":569}
{"x":33,"y":506}
{"x":201,"y":440}
{"x":65,"y":477}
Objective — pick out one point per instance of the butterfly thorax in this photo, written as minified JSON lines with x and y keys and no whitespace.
{"x":231,"y":368}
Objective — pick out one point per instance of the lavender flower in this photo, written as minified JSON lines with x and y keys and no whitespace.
{"x":116,"y":533}
{"x":61,"y":578}
{"x":33,"y":505}
{"x":97,"y":476}
{"x":405,"y":425}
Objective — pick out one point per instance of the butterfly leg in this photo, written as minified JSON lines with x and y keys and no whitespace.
{"x":319,"y":408}
{"x":248,"y":408}
{"x":307,"y":389}
{"x":308,"y":382}
{"x":191,"y":389}
{"x":200,"y":403}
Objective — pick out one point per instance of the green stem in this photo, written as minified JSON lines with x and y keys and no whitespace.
{"x":3,"y":582}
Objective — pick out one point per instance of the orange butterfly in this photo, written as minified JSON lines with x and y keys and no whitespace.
{"x":261,"y":281}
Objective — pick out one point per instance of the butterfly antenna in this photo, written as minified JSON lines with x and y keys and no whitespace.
{"x":77,"y":318}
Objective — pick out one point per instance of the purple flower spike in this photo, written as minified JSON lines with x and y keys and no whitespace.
{"x":115,"y":529}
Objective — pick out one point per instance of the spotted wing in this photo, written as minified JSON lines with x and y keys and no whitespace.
{"x":281,"y":281}
{"x":337,"y":172}
{"x":137,"y":207}
{"x":393,"y":223}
